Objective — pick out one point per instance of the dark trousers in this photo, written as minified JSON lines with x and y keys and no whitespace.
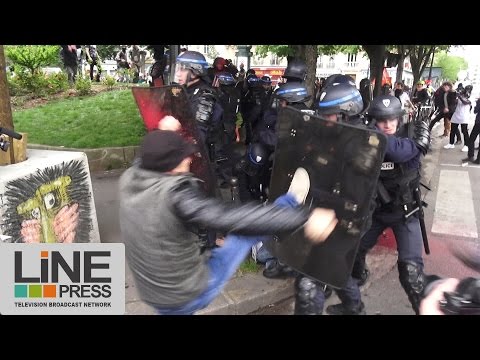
{"x":455,"y":131}
{"x":446,"y":116}
{"x":472,"y":138}
{"x":71,"y":72}
{"x":409,"y":245}
{"x":99,"y":71}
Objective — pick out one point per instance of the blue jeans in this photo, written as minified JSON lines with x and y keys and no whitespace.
{"x":223,"y":263}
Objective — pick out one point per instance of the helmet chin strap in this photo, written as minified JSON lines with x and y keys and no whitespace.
{"x":191,"y":80}
{"x":189,"y":77}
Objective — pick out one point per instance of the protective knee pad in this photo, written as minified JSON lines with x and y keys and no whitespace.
{"x":309,"y":297}
{"x":413,"y":281}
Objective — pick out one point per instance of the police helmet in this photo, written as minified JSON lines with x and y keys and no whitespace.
{"x":194,"y":61}
{"x":339,"y":98}
{"x":257,"y":154}
{"x":266,"y":80}
{"x":225,"y":78}
{"x":296,"y":70}
{"x":385,"y":107}
{"x":252,"y":80}
{"x":339,"y":78}
{"x":292,"y":92}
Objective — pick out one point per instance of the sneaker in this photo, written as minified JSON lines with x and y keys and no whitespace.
{"x":449,"y":146}
{"x":300,"y":185}
{"x":465,"y":148}
{"x":340,"y":309}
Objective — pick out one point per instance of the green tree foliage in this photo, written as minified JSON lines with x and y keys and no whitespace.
{"x":290,"y":50}
{"x":33,"y":57}
{"x":450,"y":65}
{"x":108,"y":52}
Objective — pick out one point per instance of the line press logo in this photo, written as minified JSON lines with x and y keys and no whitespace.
{"x":62,"y":279}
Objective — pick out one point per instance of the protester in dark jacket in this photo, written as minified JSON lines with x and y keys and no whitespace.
{"x":70,"y":61}
{"x":473,"y":136}
{"x":161,"y":206}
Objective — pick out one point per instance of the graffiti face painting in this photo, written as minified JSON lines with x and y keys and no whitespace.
{"x":51,"y":205}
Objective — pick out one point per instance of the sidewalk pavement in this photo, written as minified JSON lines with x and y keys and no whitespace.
{"x":250,"y":292}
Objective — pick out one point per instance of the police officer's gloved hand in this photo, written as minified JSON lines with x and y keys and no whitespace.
{"x":421,"y":136}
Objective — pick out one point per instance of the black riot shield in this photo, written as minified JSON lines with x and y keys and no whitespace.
{"x":155,"y":103}
{"x":343,"y":163}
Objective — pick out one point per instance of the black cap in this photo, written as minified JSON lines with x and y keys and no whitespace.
{"x":163,"y":150}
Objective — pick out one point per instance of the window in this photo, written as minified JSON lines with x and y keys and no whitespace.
{"x":331,"y":63}
{"x":352,"y":58}
{"x":274,"y":60}
{"x":320,"y":62}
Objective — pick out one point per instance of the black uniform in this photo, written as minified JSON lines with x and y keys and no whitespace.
{"x":399,"y":179}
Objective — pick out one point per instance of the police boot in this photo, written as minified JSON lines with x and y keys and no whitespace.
{"x":360,"y":271}
{"x":274,"y":269}
{"x":346,"y":309}
{"x":309,"y":297}
{"x":413,"y":282}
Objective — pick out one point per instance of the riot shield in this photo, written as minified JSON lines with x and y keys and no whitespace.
{"x":343,"y":163}
{"x":155,"y":103}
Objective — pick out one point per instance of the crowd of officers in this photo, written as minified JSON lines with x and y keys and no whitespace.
{"x":225,"y":100}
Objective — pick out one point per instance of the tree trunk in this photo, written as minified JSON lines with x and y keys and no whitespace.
{"x":309,"y":54}
{"x":376,"y":54}
{"x":300,"y":51}
{"x":5,"y":109}
{"x":400,"y":67}
{"x":419,"y":58}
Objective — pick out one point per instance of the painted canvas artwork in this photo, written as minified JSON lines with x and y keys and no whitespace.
{"x":51,"y":205}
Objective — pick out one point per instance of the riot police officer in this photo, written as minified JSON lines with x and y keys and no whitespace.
{"x":251,"y":173}
{"x":339,"y":100}
{"x":191,"y":71}
{"x":230,"y":101}
{"x":398,"y":181}
{"x":289,"y":94}
{"x":296,"y":70}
